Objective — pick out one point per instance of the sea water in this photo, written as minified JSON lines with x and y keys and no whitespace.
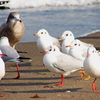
{"x":56,"y":16}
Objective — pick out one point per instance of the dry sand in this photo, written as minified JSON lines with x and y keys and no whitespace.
{"x":34,"y":76}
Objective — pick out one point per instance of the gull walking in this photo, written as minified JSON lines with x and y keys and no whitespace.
{"x":92,"y":65}
{"x":60,"y":63}
{"x":11,"y":53}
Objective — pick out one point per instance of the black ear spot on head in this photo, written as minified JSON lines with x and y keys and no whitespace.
{"x":54,"y":49}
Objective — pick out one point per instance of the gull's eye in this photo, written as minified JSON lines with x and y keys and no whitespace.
{"x":66,"y":34}
{"x":70,"y":34}
{"x":93,"y":51}
{"x":41,"y":32}
{"x":50,"y":50}
{"x":45,"y":32}
{"x":75,"y":44}
{"x":12,"y":17}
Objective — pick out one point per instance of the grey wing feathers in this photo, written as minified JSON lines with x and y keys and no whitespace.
{"x":68,"y":63}
{"x":10,"y":52}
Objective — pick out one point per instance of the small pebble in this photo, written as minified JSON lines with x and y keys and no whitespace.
{"x":68,"y":91}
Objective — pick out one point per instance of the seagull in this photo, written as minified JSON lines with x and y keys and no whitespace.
{"x":92,"y":65}
{"x":11,"y":53}
{"x":45,"y":40}
{"x":78,"y":50}
{"x":67,"y":37}
{"x":13,"y":28}
{"x":60,"y":63}
{"x":2,"y":66}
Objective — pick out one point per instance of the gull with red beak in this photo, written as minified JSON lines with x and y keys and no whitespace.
{"x":60,"y":63}
{"x":12,"y":54}
{"x":2,"y":66}
{"x":13,"y":28}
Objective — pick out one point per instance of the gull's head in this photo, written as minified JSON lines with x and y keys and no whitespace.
{"x":67,"y":35}
{"x":76,"y":43}
{"x":42,"y":33}
{"x":91,"y":51}
{"x":13,"y":17}
{"x":51,"y":49}
{"x":4,"y":40}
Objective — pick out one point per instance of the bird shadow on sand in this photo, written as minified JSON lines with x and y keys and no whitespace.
{"x":30,"y":70}
{"x":43,"y":78}
{"x":21,"y":64}
{"x":52,"y":90}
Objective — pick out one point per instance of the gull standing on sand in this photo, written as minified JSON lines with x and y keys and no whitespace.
{"x":60,"y":63}
{"x":11,"y":53}
{"x":67,"y":37}
{"x":45,"y":40}
{"x":13,"y":28}
{"x":78,"y":50}
{"x":92,"y":65}
{"x":2,"y":66}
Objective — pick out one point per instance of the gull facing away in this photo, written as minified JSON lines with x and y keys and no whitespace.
{"x":44,"y":40}
{"x":78,"y":50}
{"x":13,"y":28}
{"x":67,"y":37}
{"x":11,"y":53}
{"x":2,"y":66}
{"x":92,"y":65}
{"x":60,"y":63}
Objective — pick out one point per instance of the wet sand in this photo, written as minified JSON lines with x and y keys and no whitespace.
{"x":35,"y":76}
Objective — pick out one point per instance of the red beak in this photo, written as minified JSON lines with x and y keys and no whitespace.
{"x":88,"y":55}
{"x":3,"y":54}
{"x":43,"y":52}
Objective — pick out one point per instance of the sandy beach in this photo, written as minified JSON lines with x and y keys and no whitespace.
{"x":35,"y":76}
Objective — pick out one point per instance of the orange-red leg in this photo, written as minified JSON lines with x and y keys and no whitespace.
{"x":82,"y":75}
{"x":62,"y":81}
{"x":94,"y":86}
{"x":1,"y":95}
{"x":18,"y":76}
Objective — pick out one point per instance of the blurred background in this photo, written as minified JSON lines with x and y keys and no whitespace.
{"x":82,"y":17}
